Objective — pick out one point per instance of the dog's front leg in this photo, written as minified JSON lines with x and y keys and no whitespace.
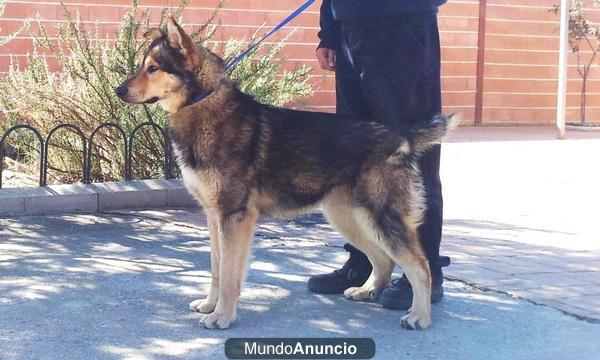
{"x":208,"y":305}
{"x":236,"y":232}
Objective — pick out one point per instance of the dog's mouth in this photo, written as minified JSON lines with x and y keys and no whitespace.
{"x":152,"y":100}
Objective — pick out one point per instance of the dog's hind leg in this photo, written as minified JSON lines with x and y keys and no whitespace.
{"x":339,"y":212}
{"x":236,"y":232}
{"x":400,"y":241}
{"x":416,"y":268}
{"x":208,"y":305}
{"x":408,"y":253}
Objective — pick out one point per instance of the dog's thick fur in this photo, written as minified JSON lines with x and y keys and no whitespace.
{"x":244,"y":160}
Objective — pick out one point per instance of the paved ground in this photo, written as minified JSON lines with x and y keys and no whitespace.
{"x":522,"y":214}
{"x":520,"y":217}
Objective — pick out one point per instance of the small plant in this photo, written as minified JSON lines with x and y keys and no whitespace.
{"x":77,"y":88}
{"x":584,"y":36}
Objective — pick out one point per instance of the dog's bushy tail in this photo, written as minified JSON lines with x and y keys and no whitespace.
{"x":432,"y":132}
{"x":422,"y":137}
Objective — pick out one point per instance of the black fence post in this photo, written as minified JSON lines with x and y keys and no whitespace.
{"x":84,"y":147}
{"x":166,"y":165}
{"x":126,"y":173}
{"x":41,"y":151}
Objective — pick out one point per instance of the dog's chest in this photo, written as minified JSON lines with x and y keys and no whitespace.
{"x":203,"y":185}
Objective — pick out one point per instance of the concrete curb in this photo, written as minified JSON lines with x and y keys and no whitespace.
{"x":583,"y":128}
{"x":136,"y":194}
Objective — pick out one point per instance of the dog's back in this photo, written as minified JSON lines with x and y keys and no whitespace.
{"x":287,"y":160}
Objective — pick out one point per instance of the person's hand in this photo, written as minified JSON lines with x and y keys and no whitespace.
{"x":326,"y":58}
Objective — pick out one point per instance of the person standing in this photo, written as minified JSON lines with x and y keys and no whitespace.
{"x":386,"y":58}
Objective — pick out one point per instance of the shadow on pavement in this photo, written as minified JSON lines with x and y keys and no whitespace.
{"x":117,"y":286}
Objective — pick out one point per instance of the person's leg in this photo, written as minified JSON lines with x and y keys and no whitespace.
{"x":350,"y":102}
{"x":400,"y":77}
{"x":350,"y":99}
{"x":392,"y":74}
{"x":431,"y":230}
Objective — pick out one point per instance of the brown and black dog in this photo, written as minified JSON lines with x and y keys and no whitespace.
{"x":244,"y":160}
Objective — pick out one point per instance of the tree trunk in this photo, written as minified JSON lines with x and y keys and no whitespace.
{"x":582,"y":100}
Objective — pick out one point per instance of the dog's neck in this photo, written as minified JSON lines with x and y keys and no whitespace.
{"x":210,"y":75}
{"x":173,"y":104}
{"x":210,"y":102}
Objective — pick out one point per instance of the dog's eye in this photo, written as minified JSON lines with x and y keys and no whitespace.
{"x":152,"y":69}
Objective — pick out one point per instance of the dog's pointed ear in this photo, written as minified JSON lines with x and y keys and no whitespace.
{"x":153,"y":34}
{"x":178,"y":38}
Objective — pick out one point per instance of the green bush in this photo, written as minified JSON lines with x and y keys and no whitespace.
{"x":79,"y":90}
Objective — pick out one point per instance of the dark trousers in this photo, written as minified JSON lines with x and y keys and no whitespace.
{"x":390,"y":73}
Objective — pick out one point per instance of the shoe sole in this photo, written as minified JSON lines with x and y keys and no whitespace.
{"x":391,"y":302}
{"x":327,"y":290}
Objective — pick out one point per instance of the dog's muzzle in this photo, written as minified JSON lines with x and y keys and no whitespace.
{"x":121,"y":91}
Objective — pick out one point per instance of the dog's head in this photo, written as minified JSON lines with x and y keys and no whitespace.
{"x":173,"y":70}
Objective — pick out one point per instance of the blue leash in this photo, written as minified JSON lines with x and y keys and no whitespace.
{"x":291,"y":17}
{"x":253,"y":46}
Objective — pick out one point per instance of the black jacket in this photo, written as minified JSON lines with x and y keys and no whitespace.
{"x":335,"y":12}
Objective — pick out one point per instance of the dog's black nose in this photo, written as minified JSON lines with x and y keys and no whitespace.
{"x":121,"y":90}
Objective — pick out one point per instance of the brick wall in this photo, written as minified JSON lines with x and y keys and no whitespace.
{"x":458,"y":21}
{"x":521,"y":42}
{"x":521,"y":56}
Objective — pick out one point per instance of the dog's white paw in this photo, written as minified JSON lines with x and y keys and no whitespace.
{"x":203,"y":306}
{"x":414,"y":322}
{"x":217,"y":321}
{"x":362,"y":293}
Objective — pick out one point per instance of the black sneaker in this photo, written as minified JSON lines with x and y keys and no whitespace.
{"x":399,"y":295}
{"x":354,"y":273}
